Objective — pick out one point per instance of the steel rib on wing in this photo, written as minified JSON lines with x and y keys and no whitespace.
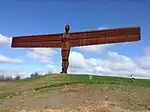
{"x":105,"y":36}
{"x":53,"y":41}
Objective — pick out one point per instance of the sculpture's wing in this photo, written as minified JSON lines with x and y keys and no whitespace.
{"x":52,"y":41}
{"x":105,"y":36}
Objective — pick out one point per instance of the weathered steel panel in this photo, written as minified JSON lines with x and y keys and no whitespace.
{"x":119,"y":39}
{"x":50,"y":44}
{"x":109,"y":40}
{"x":105,"y":36}
{"x":131,"y":38}
{"x":38,"y":38}
{"x":37,"y":41}
{"x":86,"y":35}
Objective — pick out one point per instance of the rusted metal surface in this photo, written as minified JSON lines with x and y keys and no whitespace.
{"x":53,"y":40}
{"x":105,"y":36}
{"x":65,"y":51}
{"x":50,"y":44}
{"x":67,"y":40}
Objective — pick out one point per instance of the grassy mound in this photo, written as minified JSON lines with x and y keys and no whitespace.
{"x":70,"y":92}
{"x":56,"y":80}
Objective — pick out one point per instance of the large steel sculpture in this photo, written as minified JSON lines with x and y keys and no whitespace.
{"x":75,"y":39}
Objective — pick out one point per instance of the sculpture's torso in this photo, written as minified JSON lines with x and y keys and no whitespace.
{"x":65,"y":42}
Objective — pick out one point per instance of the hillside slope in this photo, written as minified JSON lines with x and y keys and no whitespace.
{"x":68,"y":91}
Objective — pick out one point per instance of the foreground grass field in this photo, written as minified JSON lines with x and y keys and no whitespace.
{"x":60,"y":90}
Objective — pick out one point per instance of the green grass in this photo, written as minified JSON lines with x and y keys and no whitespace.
{"x":56,"y":80}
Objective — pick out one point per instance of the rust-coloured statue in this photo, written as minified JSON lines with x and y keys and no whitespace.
{"x":75,"y":39}
{"x":65,"y":51}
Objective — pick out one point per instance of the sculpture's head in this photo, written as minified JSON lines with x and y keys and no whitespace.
{"x":67,"y":28}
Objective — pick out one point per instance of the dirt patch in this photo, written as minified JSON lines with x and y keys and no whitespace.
{"x":81,"y":98}
{"x":93,"y":107}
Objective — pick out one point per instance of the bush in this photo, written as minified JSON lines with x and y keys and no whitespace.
{"x":35,"y":74}
{"x":5,"y":78}
{"x":48,"y":73}
{"x":8,"y":78}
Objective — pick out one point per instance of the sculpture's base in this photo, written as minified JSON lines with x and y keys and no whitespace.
{"x":63,"y":72}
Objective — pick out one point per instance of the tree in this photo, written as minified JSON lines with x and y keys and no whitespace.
{"x":17,"y":77}
{"x":34,"y":74}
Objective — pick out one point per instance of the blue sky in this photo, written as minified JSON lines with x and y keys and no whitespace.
{"x":24,"y":17}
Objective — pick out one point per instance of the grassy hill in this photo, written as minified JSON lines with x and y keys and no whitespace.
{"x":46,"y":83}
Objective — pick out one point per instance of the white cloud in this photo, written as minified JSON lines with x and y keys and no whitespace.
{"x":95,"y":48}
{"x":120,"y":62}
{"x":116,"y":64}
{"x":102,"y":28}
{"x":4,"y":41}
{"x":44,"y":70}
{"x":147,"y":51}
{"x":26,"y":71}
{"x":4,"y":59}
{"x":43,"y":55}
{"x":144,"y":61}
{"x":53,"y":69}
{"x":75,"y":58}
